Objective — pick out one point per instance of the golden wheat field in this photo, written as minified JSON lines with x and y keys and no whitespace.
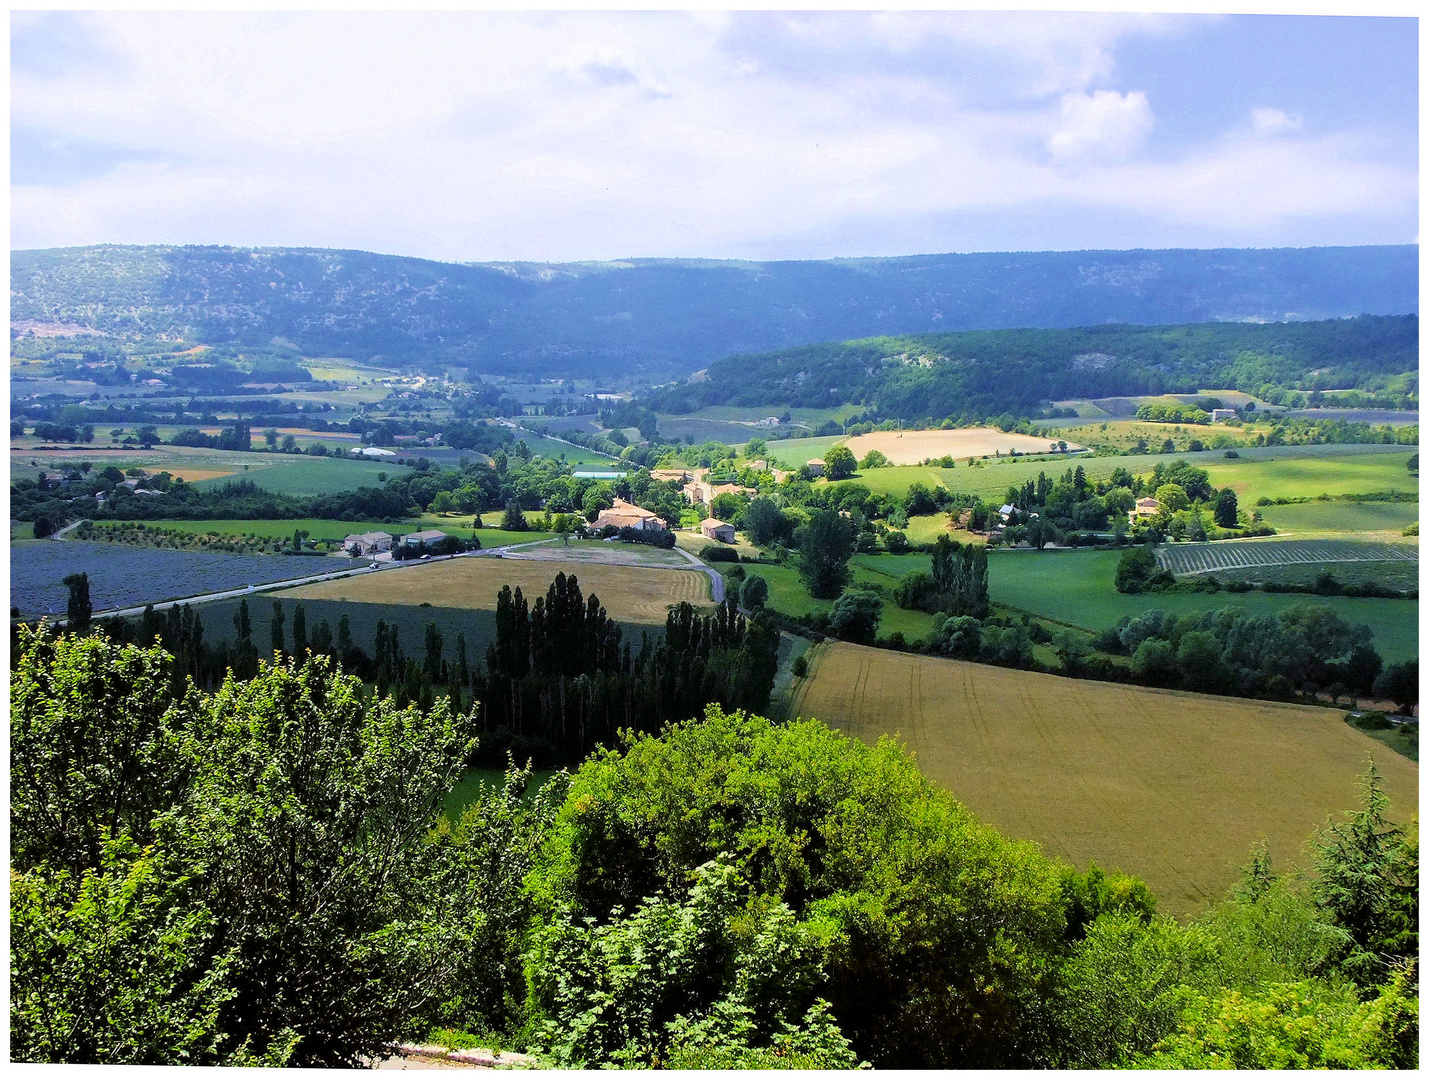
{"x":915,"y":447}
{"x":629,"y":593}
{"x":1173,"y":787}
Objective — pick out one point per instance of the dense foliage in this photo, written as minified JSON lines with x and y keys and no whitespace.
{"x":261,"y":875}
{"x":986,"y":373}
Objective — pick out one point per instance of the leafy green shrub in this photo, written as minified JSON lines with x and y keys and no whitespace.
{"x":931,"y":934}
{"x":715,"y":553}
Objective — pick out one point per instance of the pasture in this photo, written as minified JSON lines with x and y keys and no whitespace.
{"x":1242,"y":554}
{"x":291,"y":474}
{"x":1078,"y":588}
{"x":912,"y":447}
{"x":572,"y":455}
{"x":630,"y":594}
{"x":1173,"y":787}
{"x":1279,"y":474}
{"x":798,"y":452}
{"x":1368,"y":520}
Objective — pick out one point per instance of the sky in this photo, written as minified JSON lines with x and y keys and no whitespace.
{"x":480,"y":136}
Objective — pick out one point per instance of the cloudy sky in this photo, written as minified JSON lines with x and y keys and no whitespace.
{"x":483,"y":136}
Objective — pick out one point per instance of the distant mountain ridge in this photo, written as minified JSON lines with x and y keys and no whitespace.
{"x":662,"y":318}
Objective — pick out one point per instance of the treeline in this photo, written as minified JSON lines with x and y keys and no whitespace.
{"x":559,"y":676}
{"x":260,"y":875}
{"x":974,"y":375}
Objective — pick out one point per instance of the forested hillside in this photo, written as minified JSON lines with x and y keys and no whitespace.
{"x":982,"y":373}
{"x":668,"y":317}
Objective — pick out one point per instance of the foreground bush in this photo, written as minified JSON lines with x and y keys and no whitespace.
{"x":929,"y":934}
{"x":225,"y":878}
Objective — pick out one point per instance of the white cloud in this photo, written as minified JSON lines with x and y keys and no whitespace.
{"x":1101,"y":124}
{"x":1269,"y":121}
{"x":576,"y":135}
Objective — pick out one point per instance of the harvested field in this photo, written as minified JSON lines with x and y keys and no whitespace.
{"x":1242,"y":554}
{"x":1173,"y":787}
{"x":603,"y":551}
{"x":913,"y":447}
{"x":630,"y":594}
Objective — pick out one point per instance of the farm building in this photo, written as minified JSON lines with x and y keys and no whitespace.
{"x":1006,"y":510}
{"x":1145,"y":508}
{"x":624,"y":515}
{"x":702,"y":492}
{"x":372,"y":452}
{"x":1217,"y":415}
{"x":680,"y":476}
{"x":816,"y":466}
{"x":717,"y":530}
{"x":426,"y":536}
{"x":369,"y":543}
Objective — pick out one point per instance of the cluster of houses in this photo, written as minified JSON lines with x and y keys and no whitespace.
{"x":373,"y":543}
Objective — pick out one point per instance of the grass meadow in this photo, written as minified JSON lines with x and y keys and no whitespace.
{"x":1078,"y":588}
{"x":1378,"y":521}
{"x":1171,"y":786}
{"x":290,"y":474}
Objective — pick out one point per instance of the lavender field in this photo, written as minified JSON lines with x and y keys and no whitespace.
{"x":121,"y":575}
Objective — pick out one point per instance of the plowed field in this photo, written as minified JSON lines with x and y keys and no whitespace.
{"x":629,"y":593}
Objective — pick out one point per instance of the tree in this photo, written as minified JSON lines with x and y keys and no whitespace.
{"x":79,"y":609}
{"x":1172,"y":497}
{"x":874,"y":459}
{"x":754,"y":593}
{"x":903,"y":912}
{"x":765,"y":523}
{"x":270,"y":436}
{"x":276,"y":628}
{"x":1400,"y":684}
{"x":239,"y":877}
{"x":1226,"y":509}
{"x":513,"y":520}
{"x":1367,"y":882}
{"x":300,"y":630}
{"x":856,"y":615}
{"x":825,"y":547}
{"x":755,"y":448}
{"x":839,"y":463}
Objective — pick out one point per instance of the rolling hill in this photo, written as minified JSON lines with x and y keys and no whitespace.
{"x":662,"y":318}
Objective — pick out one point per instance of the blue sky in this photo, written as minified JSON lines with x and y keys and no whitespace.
{"x":563,"y":136}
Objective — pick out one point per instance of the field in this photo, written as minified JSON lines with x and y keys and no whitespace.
{"x":796,"y":452}
{"x":1269,"y":472}
{"x":331,"y":529}
{"x":1077,"y":588}
{"x":1173,"y":787}
{"x":285,"y":474}
{"x":630,"y":594}
{"x":121,"y":575}
{"x":1370,"y":520}
{"x":1239,"y":555}
{"x":571,"y":454}
{"x":788,"y":594}
{"x":911,"y":447}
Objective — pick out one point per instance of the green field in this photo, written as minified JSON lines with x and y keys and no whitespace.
{"x":1304,"y":475}
{"x":796,"y":452}
{"x":1270,"y":472}
{"x":477,"y":782}
{"x":1316,"y":519}
{"x":292,"y":475}
{"x":788,"y":595}
{"x":1077,"y":588}
{"x":572,"y":455}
